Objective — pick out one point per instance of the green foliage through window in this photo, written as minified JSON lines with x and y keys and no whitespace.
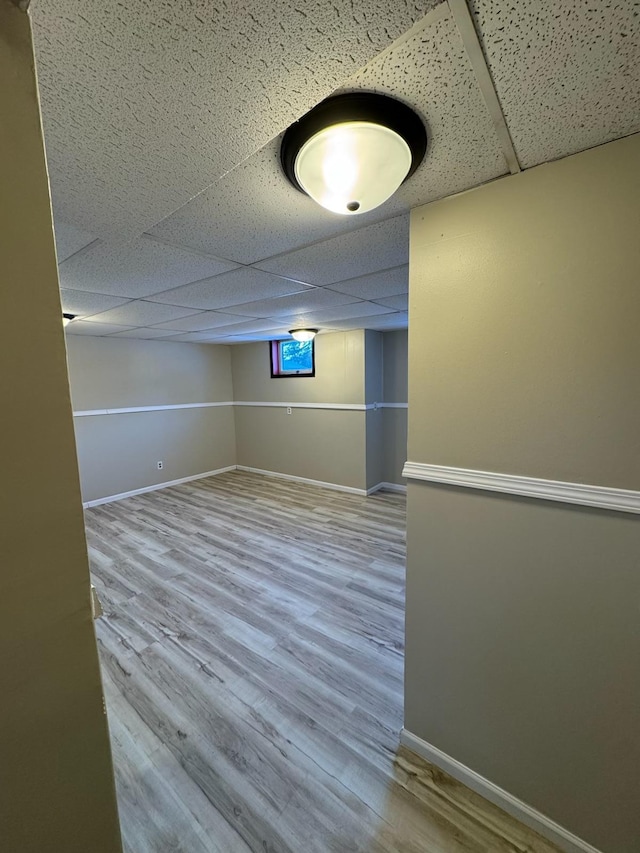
{"x":292,"y":358}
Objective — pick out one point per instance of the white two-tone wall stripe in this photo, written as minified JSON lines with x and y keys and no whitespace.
{"x":581,"y":494}
{"x":348,"y":407}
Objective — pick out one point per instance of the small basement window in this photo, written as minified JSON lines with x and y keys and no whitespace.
{"x":292,"y":358}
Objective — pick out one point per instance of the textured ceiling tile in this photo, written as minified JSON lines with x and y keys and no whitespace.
{"x":144,"y":334}
{"x":140,"y":313}
{"x":567,"y":72}
{"x":298,"y":303}
{"x":70,"y":239}
{"x":232,"y":288}
{"x":275,"y":335}
{"x":253,"y":212}
{"x":431,"y":72}
{"x":84,"y":304}
{"x":140,"y":268}
{"x":398,"y":303}
{"x":341,"y":312}
{"x":376,"y":285}
{"x":398,"y":320}
{"x":201,"y":321}
{"x":185,"y":90}
{"x":80,"y":327}
{"x":376,"y":247}
{"x":245,"y":326}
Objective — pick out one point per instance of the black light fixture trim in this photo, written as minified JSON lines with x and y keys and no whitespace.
{"x":355,"y":106}
{"x":69,"y":316}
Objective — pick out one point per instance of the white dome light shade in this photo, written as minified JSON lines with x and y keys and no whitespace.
{"x":303,"y":335}
{"x":351,"y":152}
{"x":353,"y":167}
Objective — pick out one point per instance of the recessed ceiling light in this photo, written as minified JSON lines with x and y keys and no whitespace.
{"x":67,"y":318}
{"x":303,"y":335}
{"x":352,"y":151}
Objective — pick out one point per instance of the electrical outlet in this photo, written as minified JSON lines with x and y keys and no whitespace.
{"x":288,"y":410}
{"x":160,"y":466}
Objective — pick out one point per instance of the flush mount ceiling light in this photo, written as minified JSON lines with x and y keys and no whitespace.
{"x":352,"y":151}
{"x":303,"y":335}
{"x":67,"y":318}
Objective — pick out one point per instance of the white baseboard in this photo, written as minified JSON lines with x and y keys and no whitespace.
{"x":392,"y":487}
{"x":335,"y":486}
{"x":498,"y":796}
{"x":388,"y":487}
{"x":111,"y":498}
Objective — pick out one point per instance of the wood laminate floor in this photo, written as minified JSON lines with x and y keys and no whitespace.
{"x":252,"y":654}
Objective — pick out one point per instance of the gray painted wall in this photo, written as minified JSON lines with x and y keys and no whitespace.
{"x":394,"y":421}
{"x":522,"y":616}
{"x":57,"y":782}
{"x":319,"y":444}
{"x":119,"y":453}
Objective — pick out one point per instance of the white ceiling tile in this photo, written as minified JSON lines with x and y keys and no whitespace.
{"x":232,"y":288}
{"x":69,"y":239}
{"x":398,"y":303}
{"x":376,"y":285}
{"x":567,"y":72}
{"x":340,"y":312}
{"x":432,"y":73}
{"x":397,"y":320}
{"x":245,"y":326}
{"x":253,"y":212}
{"x":81,"y":327}
{"x":146,"y":104}
{"x":274,"y":335}
{"x":376,"y":247}
{"x":200,"y":321}
{"x":140,"y":268}
{"x":84,"y":304}
{"x":298,"y":303}
{"x":144,"y":334}
{"x":141,"y":313}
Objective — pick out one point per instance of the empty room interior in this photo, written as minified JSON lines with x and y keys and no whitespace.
{"x":321,"y":426}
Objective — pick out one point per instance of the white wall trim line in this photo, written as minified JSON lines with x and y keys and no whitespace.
{"x":335,"y":486}
{"x":498,"y":796}
{"x":350,"y":407}
{"x":112,"y":498}
{"x":603,"y":497}
{"x":347,"y":407}
{"x":388,"y":487}
{"x":85,"y":413}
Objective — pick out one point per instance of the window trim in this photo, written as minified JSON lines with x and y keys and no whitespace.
{"x":274,"y":358}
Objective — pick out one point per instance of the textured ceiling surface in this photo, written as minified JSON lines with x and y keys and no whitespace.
{"x":163,"y":123}
{"x":567,"y":73}
{"x":185,"y":90}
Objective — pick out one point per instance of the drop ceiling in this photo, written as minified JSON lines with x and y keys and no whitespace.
{"x":163,"y":121}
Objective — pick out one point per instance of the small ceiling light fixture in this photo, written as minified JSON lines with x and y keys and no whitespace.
{"x":67,"y":318}
{"x":303,"y":335}
{"x":352,"y":151}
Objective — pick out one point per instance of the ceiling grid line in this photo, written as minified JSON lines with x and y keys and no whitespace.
{"x":466,"y":28}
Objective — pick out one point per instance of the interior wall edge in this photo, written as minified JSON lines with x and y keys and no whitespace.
{"x":526,"y":814}
{"x":581,"y":494}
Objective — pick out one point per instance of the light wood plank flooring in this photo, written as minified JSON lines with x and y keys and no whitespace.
{"x":252,"y":658}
